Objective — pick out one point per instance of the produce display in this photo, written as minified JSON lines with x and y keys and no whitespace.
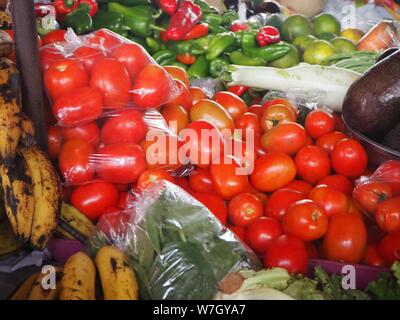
{"x":198,"y":153}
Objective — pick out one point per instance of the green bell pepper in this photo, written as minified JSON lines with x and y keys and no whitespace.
{"x":212,"y":19}
{"x":79,"y":20}
{"x":138,"y":40}
{"x":113,"y":21}
{"x":239,"y":58}
{"x":228,"y":17}
{"x":205,"y":7}
{"x":214,"y":29}
{"x":218,"y":66}
{"x":219,"y":44}
{"x":164,"y":57}
{"x":180,"y":47}
{"x":126,"y":2}
{"x":154,"y":45}
{"x":199,"y":69}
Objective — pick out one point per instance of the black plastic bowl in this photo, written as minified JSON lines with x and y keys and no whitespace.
{"x":377,"y":153}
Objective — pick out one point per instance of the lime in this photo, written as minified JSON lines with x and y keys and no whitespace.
{"x":352,"y":34}
{"x":318,"y":52}
{"x":327,"y":36}
{"x":275,"y":20}
{"x":343,"y":45}
{"x":303,"y":41}
{"x":295,"y":26}
{"x":289,"y":60}
{"x":325,"y":22}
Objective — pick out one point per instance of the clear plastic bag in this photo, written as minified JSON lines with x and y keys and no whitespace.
{"x":178,"y":249}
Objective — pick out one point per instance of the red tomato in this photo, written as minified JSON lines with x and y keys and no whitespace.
{"x":276,"y":101}
{"x":280,"y":201}
{"x":120,"y":162}
{"x":319,"y":122}
{"x":338,"y":183}
{"x":239,"y":232}
{"x":88,"y":56}
{"x":288,"y":137}
{"x":372,"y":256}
{"x":162,"y":151}
{"x":312,"y":164}
{"x":48,"y":55}
{"x":390,"y":172}
{"x":74,"y":162}
{"x":305,"y":220}
{"x":329,"y":140}
{"x":123,"y":196}
{"x":346,"y":238}
{"x":184,"y":184}
{"x":63,"y":76}
{"x":275,"y":115}
{"x":387,"y":215}
{"x":272,"y":172}
{"x":176,"y":117}
{"x":54,"y":36}
{"x":339,"y":124}
{"x":215,"y":204}
{"x":184,"y":98}
{"x":94,"y":198}
{"x":200,"y":180}
{"x":260,"y":232}
{"x":133,"y":57}
{"x":370,"y":194}
{"x":349,"y":158}
{"x":258,"y":148}
{"x":244,"y":208}
{"x":78,"y":106}
{"x":125,"y":126}
{"x":54,"y":141}
{"x":332,"y":201}
{"x":300,"y":186}
{"x":243,"y":153}
{"x":256,"y":109}
{"x":311,"y":250}
{"x":112,"y":79}
{"x":197,"y":94}
{"x":389,"y":248}
{"x":179,"y":73}
{"x":232,"y":103}
{"x":287,"y":252}
{"x":150,"y":176}
{"x":148,"y":93}
{"x":104,"y":39}
{"x":87,"y":132}
{"x":248,"y":121}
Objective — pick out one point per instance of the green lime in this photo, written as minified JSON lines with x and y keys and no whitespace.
{"x":275,"y":20}
{"x":295,"y":26}
{"x":318,"y":52}
{"x":343,"y":45}
{"x":327,"y":36}
{"x":325,"y":22}
{"x":303,"y":41}
{"x":289,"y":60}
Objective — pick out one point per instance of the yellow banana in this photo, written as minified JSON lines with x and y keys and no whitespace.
{"x":79,"y":276}
{"x":74,"y":221}
{"x":47,"y":195}
{"x":38,"y":293}
{"x":27,"y":131}
{"x":16,"y":184}
{"x":23,"y":290}
{"x":10,"y":110}
{"x":118,"y":279}
{"x":64,"y":234}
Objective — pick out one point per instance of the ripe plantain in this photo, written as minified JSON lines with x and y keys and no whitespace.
{"x":47,"y":196}
{"x":38,"y":293}
{"x":10,"y":110}
{"x":16,"y":183}
{"x":27,"y":137}
{"x":79,"y":278}
{"x":23,"y":290}
{"x":118,"y":279}
{"x":8,"y":243}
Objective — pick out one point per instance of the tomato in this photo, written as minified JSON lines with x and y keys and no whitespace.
{"x":244,"y":208}
{"x":111,"y":210}
{"x":339,"y":124}
{"x":104,"y":39}
{"x":319,"y":122}
{"x":262,"y":196}
{"x":256,"y":109}
{"x":275,"y":115}
{"x":338,"y":183}
{"x":54,"y":141}
{"x":258,"y":148}
{"x":272,"y":171}
{"x":150,"y":176}
{"x":94,"y":198}
{"x":179,"y":73}
{"x":176,"y":117}
{"x":232,"y":103}
{"x":312,"y":164}
{"x":372,"y":256}
{"x":57,"y":35}
{"x":349,"y":158}
{"x":239,"y":232}
{"x":280,"y":201}
{"x":113,"y":223}
{"x":276,"y":101}
{"x":74,"y":162}
{"x":183,"y":183}
{"x":288,"y":137}
{"x":162,"y":151}
{"x":260,"y":232}
{"x":248,"y":121}
{"x":389,"y":248}
{"x":197,"y":94}
{"x":133,"y":57}
{"x":332,"y":201}
{"x":48,"y":55}
{"x":300,"y":186}
{"x":390,"y":172}
{"x":226,"y":180}
{"x":287,"y":252}
{"x":88,"y":56}
{"x":112,"y":79}
{"x":387,"y":215}
{"x":123,"y":196}
{"x":184,"y":98}
{"x":64,"y":75}
{"x":370,"y":194}
{"x":243,"y":153}
{"x":346,"y":238}
{"x":78,"y":106}
{"x":124,"y":126}
{"x":215,"y":204}
{"x":329,"y":140}
{"x":305,"y":220}
{"x":214,"y":113}
{"x":148,"y":93}
{"x":87,"y":132}
{"x":200,"y":180}
{"x":120,"y":162}
{"x":311,"y":250}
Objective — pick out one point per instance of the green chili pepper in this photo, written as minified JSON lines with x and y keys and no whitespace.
{"x":205,"y":7}
{"x":214,"y":29}
{"x":154,"y":45}
{"x":228,"y":17}
{"x":111,"y":20}
{"x":199,"y":69}
{"x":180,"y":47}
{"x":164,"y":57}
{"x":239,"y":58}
{"x":218,"y":66}
{"x":179,"y":64}
{"x":219,"y":44}
{"x":213,"y":19}
{"x":126,"y":2}
{"x":79,"y":20}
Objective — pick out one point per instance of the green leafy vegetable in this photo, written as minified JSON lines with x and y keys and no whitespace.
{"x":386,"y":287}
{"x":302,"y":288}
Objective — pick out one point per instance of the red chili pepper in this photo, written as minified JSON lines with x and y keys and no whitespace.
{"x":256,"y":100}
{"x":198,"y":31}
{"x":42,"y":10}
{"x":184,"y":19}
{"x":93,"y":6}
{"x":268,"y":35}
{"x":186,"y":58}
{"x":238,"y":90}
{"x":168,"y":6}
{"x":63,"y":7}
{"x":236,"y":27}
